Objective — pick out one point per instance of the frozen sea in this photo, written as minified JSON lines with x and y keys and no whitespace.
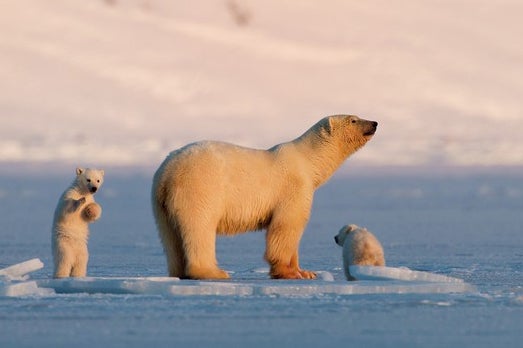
{"x":463,"y":223}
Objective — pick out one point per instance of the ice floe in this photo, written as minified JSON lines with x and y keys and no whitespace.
{"x":265,"y":287}
{"x":398,"y":273}
{"x":372,"y":280}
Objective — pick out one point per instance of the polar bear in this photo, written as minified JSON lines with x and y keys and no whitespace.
{"x":360,"y":247}
{"x":214,"y":188}
{"x":75,"y":210}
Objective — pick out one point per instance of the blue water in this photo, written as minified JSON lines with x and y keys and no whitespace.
{"x":461,"y":223}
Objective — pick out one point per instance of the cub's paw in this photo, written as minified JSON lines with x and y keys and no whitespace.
{"x":92,"y":212}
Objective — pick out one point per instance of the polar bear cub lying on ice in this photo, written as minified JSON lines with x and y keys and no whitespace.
{"x":360,"y":247}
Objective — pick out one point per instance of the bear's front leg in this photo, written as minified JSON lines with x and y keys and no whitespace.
{"x":281,"y":252}
{"x":304,"y":274}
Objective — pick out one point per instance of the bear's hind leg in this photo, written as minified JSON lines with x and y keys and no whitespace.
{"x":175,"y":253}
{"x":169,"y":233}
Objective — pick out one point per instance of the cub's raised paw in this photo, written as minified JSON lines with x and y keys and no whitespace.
{"x":92,"y":212}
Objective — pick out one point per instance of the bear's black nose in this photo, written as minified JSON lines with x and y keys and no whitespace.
{"x":336,"y":239}
{"x":374,"y":124}
{"x":94,"y":189}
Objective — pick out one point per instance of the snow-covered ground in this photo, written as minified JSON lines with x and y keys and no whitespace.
{"x":457,"y":223}
{"x":124,"y":82}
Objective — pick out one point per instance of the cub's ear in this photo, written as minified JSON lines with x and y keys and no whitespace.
{"x":79,"y":171}
{"x":102,"y":172}
{"x":352,"y":227}
{"x":344,"y":229}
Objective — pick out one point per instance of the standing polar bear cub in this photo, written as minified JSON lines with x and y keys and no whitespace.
{"x":75,"y":210}
{"x":360,"y":247}
{"x":209,"y":188}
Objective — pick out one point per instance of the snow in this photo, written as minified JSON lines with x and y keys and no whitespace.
{"x":459,"y":224}
{"x":125,"y":82}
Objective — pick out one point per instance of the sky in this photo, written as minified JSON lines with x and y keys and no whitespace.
{"x":108,"y":82}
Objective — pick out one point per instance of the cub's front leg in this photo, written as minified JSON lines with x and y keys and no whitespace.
{"x":92,"y":212}
{"x":72,"y":205}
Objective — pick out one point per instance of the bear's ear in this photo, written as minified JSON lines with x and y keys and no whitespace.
{"x":102,"y":172}
{"x":79,"y":171}
{"x":328,"y":126}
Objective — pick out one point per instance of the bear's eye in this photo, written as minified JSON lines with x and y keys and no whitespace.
{"x":353,"y":121}
{"x":98,"y":181}
{"x":88,"y":180}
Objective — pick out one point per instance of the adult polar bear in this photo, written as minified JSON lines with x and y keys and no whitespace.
{"x":208,"y":188}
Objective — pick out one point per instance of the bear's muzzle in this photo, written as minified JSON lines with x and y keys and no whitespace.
{"x":370,"y":128}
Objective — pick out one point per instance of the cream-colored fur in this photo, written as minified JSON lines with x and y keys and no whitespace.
{"x":75,"y":210}
{"x":209,"y":188}
{"x":360,"y":247}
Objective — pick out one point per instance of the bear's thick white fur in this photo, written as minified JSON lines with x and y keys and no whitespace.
{"x":75,"y":210}
{"x":360,"y":247}
{"x":209,"y":188}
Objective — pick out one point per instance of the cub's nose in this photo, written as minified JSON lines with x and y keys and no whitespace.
{"x":94,"y":189}
{"x":336,"y":239}
{"x":374,"y":124}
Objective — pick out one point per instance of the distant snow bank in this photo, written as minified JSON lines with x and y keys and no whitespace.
{"x":125,"y":82}
{"x":14,"y":284}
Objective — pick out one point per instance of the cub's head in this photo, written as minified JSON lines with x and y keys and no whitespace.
{"x":342,"y":234}
{"x":89,"y":180}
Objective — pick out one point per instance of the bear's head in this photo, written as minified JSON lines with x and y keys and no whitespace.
{"x":348,"y":131}
{"x":89,"y":180}
{"x":344,"y":231}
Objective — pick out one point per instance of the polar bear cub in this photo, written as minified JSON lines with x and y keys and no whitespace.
{"x":360,"y":247}
{"x":75,"y":210}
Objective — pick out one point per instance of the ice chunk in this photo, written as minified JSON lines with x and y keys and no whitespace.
{"x":22,"y":289}
{"x":325,"y":276}
{"x":20,"y":270}
{"x":394,"y":273}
